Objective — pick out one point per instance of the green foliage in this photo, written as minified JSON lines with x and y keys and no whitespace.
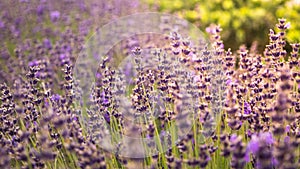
{"x":243,"y":21}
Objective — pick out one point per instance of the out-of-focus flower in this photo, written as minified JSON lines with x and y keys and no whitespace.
{"x":210,"y":30}
{"x":98,"y":75}
{"x":47,"y":43}
{"x":253,"y":145}
{"x":62,"y":56}
{"x":33,"y":63}
{"x":40,"y":10}
{"x":247,"y":158}
{"x":2,"y":25}
{"x":286,"y":140}
{"x":268,"y":137}
{"x":55,"y":97}
{"x":54,"y":15}
{"x":82,"y":6}
{"x":287,"y":128}
{"x":256,"y":140}
{"x":228,"y":82}
{"x":261,"y":147}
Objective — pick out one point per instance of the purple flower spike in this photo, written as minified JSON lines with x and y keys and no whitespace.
{"x":67,"y":48}
{"x":27,"y":124}
{"x":107,"y":117}
{"x":54,"y":16}
{"x":247,"y":108}
{"x":233,"y":137}
{"x":14,"y":141}
{"x":38,"y":74}
{"x":82,"y":6}
{"x":268,"y":138}
{"x":55,"y":97}
{"x":105,"y":101}
{"x":253,"y":145}
{"x":162,"y":133}
{"x":75,"y":119}
{"x":47,"y":43}
{"x":40,"y":10}
{"x":287,"y":140}
{"x":46,"y":102}
{"x":247,"y":157}
{"x":98,"y":75}
{"x":249,"y":133}
{"x":287,"y":128}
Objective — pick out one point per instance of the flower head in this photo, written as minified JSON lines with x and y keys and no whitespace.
{"x":54,"y":15}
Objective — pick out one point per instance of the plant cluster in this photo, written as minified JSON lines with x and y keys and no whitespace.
{"x":223,"y":114}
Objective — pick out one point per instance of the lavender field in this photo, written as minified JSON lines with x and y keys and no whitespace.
{"x":112,"y":84}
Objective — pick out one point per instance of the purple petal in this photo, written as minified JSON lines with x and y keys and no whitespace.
{"x":287,"y":26}
{"x":62,"y":56}
{"x":287,"y":128}
{"x":228,"y":82}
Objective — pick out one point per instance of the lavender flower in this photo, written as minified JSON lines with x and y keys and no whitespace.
{"x":46,"y":120}
{"x":54,"y":15}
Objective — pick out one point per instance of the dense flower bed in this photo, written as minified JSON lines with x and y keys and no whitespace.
{"x":45,"y":123}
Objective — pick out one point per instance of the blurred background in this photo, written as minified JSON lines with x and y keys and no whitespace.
{"x":243,"y":21}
